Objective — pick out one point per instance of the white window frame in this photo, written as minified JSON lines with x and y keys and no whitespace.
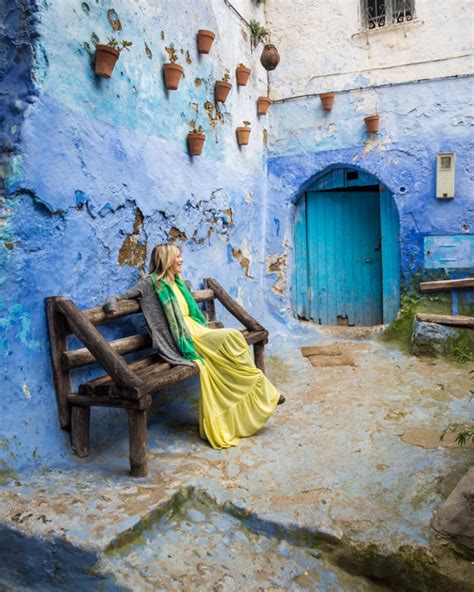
{"x":389,"y":19}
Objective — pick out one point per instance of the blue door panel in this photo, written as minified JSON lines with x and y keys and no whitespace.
{"x":344,"y":257}
{"x":300,"y":294}
{"x":390,"y":228}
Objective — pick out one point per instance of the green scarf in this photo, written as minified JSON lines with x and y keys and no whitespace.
{"x":174,"y":316}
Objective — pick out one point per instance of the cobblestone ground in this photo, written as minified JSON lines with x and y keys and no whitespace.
{"x":335,"y":493}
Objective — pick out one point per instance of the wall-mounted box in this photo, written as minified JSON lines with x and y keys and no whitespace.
{"x":445,"y":164}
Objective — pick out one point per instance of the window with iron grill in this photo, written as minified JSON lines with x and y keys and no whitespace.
{"x":381,"y":13}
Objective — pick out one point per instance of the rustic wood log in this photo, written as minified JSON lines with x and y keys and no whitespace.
{"x":80,"y":430}
{"x":259,"y":356}
{"x":457,"y":321}
{"x":95,"y":401}
{"x":137,"y":443}
{"x":446,"y":285}
{"x":252,"y":337}
{"x":98,"y":346}
{"x":233,"y":307}
{"x":87,"y":388}
{"x":97,"y":315}
{"x":127,"y":345}
{"x":210,"y":307}
{"x":160,"y":380}
{"x":58,"y":331}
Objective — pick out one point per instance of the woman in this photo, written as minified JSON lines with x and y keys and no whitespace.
{"x":236,"y":397}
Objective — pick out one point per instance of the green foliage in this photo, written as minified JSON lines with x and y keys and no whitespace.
{"x":172,"y":55}
{"x":464,"y":433}
{"x":119,"y":45}
{"x":226,"y":76}
{"x":258,"y":31}
{"x":246,"y":123}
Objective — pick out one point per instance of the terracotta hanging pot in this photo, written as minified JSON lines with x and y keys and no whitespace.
{"x":263,"y":103}
{"x":243,"y":134}
{"x":270,"y":57}
{"x":205,"y":39}
{"x":105,"y":59}
{"x":242,"y":73}
{"x":172,"y":73}
{"x":372,"y":123}
{"x":196,"y":142}
{"x":222,"y":90}
{"x":327,"y":100}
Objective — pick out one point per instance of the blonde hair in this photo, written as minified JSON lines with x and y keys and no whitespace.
{"x":161,"y":261}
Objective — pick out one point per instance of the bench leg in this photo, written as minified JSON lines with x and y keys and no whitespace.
{"x":137,"y":439}
{"x":80,"y":430}
{"x":259,"y":356}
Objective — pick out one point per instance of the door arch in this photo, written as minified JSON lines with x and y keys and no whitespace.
{"x":347,"y":254}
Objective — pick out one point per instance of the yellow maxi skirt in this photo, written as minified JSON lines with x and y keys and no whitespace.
{"x":236,"y":397}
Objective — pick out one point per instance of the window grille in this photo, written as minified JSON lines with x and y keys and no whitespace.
{"x":381,"y":13}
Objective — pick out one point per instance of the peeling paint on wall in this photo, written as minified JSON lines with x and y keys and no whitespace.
{"x":244,"y":257}
{"x":132,"y":252}
{"x":277,"y":264}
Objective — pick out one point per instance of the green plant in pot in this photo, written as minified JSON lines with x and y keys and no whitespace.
{"x":222,"y":88}
{"x":107,"y":55}
{"x":243,"y":134}
{"x":242,"y":74}
{"x":196,"y":139}
{"x":172,"y":71}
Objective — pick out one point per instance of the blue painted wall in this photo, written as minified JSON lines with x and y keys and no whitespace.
{"x":98,"y":172}
{"x":417,"y":122}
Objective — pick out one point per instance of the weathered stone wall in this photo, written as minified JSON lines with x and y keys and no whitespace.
{"x":417,"y":76}
{"x":98,"y":171}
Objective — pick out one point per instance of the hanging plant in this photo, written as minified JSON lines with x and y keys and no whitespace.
{"x":243,"y":134}
{"x":242,"y":73}
{"x":107,"y":55}
{"x":263,"y":103}
{"x":372,"y":123}
{"x":258,"y":32}
{"x":205,"y":39}
{"x":222,"y":88}
{"x":327,"y":100}
{"x":172,"y":71}
{"x":196,"y":139}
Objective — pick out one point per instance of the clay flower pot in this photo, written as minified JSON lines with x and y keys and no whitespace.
{"x":243,"y":134}
{"x":242,"y":73}
{"x":263,"y":103}
{"x":327,"y":100}
{"x":105,"y":59}
{"x":205,"y":39}
{"x":172,"y":73}
{"x":270,"y":57}
{"x":222,"y":90}
{"x":196,"y":142}
{"x":372,"y":123}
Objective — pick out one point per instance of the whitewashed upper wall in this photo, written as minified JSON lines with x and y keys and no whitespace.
{"x":323,"y":46}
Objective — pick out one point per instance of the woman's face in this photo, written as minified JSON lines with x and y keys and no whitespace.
{"x":178,"y":263}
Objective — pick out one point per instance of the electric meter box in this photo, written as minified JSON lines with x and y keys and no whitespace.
{"x":445,"y":163}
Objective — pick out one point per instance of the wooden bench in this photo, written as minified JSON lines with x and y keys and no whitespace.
{"x":447,"y":286}
{"x":126,"y":385}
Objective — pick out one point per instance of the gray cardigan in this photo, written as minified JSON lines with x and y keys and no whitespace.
{"x":155,"y":318}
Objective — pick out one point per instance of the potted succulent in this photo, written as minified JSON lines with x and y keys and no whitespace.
{"x":222,"y":88}
{"x":172,"y":71}
{"x":205,"y":39}
{"x":263,"y":103}
{"x":242,"y":73}
{"x":196,"y":139}
{"x":327,"y":100}
{"x":372,"y":123}
{"x":107,"y":55}
{"x":243,"y":134}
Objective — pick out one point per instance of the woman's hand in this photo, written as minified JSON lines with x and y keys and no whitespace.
{"x":111,"y":314}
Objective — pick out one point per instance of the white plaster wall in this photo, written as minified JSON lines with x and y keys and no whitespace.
{"x":323,"y":47}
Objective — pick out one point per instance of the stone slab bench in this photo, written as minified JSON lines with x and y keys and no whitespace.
{"x":125,"y":385}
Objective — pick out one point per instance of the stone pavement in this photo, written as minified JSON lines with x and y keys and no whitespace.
{"x":333,"y":494}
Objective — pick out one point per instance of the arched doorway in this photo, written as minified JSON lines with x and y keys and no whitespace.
{"x":347,"y":268}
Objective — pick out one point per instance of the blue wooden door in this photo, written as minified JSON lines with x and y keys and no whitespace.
{"x":343,"y":237}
